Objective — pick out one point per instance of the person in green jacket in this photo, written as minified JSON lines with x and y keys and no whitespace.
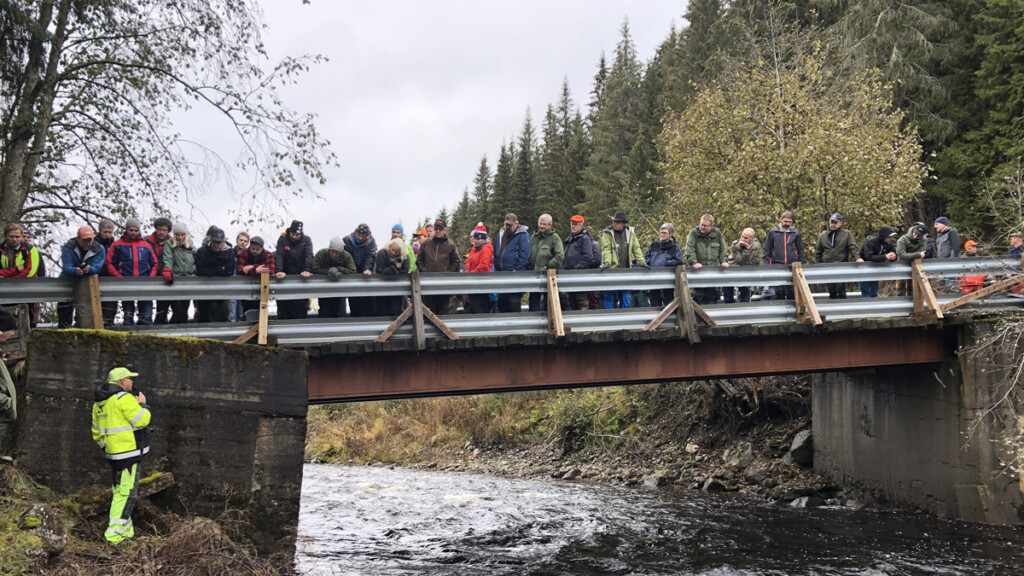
{"x":705,"y":246}
{"x":913,"y":244}
{"x":119,"y":420}
{"x":837,"y":245}
{"x":8,"y":397}
{"x":178,"y":258}
{"x":619,"y":249}
{"x":546,"y":253}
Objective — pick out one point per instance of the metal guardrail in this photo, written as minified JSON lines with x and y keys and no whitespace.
{"x":323,"y":331}
{"x":13,"y":291}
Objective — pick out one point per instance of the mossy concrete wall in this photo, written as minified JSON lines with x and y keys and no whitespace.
{"x":924,"y":435}
{"x":229,"y":421}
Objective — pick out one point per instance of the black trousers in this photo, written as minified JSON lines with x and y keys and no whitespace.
{"x":510,"y":302}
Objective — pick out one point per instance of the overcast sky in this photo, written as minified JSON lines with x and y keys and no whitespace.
{"x":416,"y":92}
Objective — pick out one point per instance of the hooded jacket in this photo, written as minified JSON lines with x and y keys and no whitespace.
{"x":784,"y":246}
{"x":480,"y":258}
{"x":385,"y":265}
{"x":11,"y":258}
{"x":875,"y":249}
{"x":947,"y":243}
{"x":837,"y":246}
{"x":908,"y":249}
{"x":516,"y":254}
{"x":546,"y":251}
{"x":664,"y":253}
{"x":438,"y":255}
{"x":322,"y":262}
{"x":180,"y":258}
{"x":72,"y":258}
{"x":131,"y":257}
{"x":610,"y":256}
{"x":706,"y":249}
{"x":119,"y":424}
{"x":215,"y":263}
{"x":363,"y":254}
{"x":578,"y":251}
{"x":293,"y":257}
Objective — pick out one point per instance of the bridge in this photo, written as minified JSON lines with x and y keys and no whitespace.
{"x":357,"y":359}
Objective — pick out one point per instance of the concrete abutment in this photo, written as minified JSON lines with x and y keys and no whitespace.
{"x":228,"y":421}
{"x":928,"y":436}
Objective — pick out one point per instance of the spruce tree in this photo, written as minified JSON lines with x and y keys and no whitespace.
{"x":483,"y":208}
{"x":524,"y":175}
{"x":597,"y":93}
{"x":608,"y":184}
{"x":501,"y":197}
{"x":462,"y":223}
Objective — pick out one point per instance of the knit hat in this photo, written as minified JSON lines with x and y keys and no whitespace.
{"x":363,"y":229}
{"x":86,"y":232}
{"x":942,"y":220}
{"x":337,"y":243}
{"x":399,"y":228}
{"x":296,"y":227}
{"x":258,"y":240}
{"x":480,"y":231}
{"x":133,"y":223}
{"x":577,"y":218}
{"x":620,"y":217}
{"x":180,"y":228}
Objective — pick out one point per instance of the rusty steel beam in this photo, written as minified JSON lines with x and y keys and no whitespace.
{"x":375,"y":376}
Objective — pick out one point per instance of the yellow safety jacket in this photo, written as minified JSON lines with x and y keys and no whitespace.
{"x":118,"y":422}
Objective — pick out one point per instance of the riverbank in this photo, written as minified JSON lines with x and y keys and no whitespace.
{"x":42,"y":532}
{"x":728,"y":435}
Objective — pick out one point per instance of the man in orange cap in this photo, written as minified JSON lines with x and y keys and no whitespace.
{"x":80,"y":257}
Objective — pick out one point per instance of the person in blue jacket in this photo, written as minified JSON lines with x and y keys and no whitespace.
{"x":512,"y":253}
{"x":80,"y":257}
{"x":664,"y":252}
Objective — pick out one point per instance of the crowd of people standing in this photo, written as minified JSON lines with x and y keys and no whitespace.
{"x":170,"y":252}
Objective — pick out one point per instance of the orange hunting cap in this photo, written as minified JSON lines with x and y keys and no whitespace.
{"x":577,"y":218}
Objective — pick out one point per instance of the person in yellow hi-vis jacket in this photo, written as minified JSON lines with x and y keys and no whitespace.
{"x":119,"y":423}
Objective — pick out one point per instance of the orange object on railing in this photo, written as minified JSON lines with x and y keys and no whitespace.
{"x":970,"y":284}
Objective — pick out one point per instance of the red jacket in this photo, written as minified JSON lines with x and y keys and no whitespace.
{"x":131,"y":258}
{"x":157,"y":246}
{"x":480,"y":259}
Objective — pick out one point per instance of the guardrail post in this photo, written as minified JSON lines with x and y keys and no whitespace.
{"x":419,"y":335}
{"x":806,"y":309}
{"x":86,"y":295}
{"x":922,"y":290}
{"x":261,"y":338}
{"x":687,"y":320}
{"x":555,"y":324}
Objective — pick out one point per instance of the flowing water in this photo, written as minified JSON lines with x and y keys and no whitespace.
{"x":373,"y":520}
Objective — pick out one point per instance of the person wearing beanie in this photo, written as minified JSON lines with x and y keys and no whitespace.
{"x":80,"y":256}
{"x":161,"y":233}
{"x":480,"y":258}
{"x":253,"y":261}
{"x":178,"y":259}
{"x":294,"y":256}
{"x":881,"y":250}
{"x":363,"y":249}
{"x":439,"y":254}
{"x":333,"y":262}
{"x":132,"y":256}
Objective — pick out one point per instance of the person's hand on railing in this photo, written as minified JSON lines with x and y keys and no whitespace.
{"x":168,"y":275}
{"x":333,"y":273}
{"x":305,"y":274}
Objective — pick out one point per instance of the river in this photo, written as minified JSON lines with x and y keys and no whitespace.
{"x":375,"y":520}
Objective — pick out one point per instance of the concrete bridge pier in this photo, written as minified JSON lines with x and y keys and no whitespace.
{"x":228,"y":421}
{"x":927,"y":435}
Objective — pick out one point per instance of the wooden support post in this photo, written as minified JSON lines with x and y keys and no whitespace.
{"x":439,"y":324}
{"x":923,"y":294}
{"x":703,"y":315}
{"x":247,"y":335}
{"x":986,"y":291}
{"x":555,"y":324}
{"x":806,"y":309}
{"x":687,"y":321}
{"x":261,"y":338}
{"x":419,"y":335}
{"x":663,"y":315}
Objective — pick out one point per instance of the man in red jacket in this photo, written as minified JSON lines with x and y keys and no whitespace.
{"x":480,"y":259}
{"x":132,"y":256}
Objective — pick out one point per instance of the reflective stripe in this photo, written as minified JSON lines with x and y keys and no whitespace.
{"x":125,"y":530}
{"x":102,"y":443}
{"x":95,"y":427}
{"x":138,"y":416}
{"x":105,"y":431}
{"x":120,"y":521}
{"x":121,"y":393}
{"x":129,"y":454}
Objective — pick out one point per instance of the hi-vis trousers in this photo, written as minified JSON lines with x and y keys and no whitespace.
{"x":125,"y":484}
